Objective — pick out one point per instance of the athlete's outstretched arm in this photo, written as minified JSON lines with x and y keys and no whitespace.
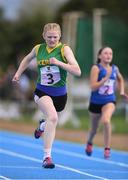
{"x":23,"y":65}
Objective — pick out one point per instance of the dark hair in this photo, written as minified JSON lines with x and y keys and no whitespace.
{"x":99,"y":52}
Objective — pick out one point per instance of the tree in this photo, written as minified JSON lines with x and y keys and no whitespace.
{"x":18,"y":37}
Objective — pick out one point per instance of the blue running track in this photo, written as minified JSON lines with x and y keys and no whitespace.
{"x":21,"y":159}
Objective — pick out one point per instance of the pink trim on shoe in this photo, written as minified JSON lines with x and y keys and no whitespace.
{"x":47,"y":163}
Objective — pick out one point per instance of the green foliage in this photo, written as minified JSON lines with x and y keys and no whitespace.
{"x":6,"y":41}
{"x":18,"y":37}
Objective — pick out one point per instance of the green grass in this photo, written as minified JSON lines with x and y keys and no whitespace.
{"x":119,"y":124}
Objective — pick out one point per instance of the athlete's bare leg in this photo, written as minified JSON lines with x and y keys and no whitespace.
{"x":94,"y":118}
{"x":45,"y":104}
{"x":107,"y":112}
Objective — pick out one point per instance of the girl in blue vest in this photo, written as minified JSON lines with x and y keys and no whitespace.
{"x":54,"y":60}
{"x":103,"y":78}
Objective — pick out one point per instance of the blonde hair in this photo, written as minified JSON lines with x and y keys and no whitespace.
{"x":51,"y":26}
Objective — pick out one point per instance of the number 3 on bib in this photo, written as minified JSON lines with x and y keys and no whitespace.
{"x":50,"y":75}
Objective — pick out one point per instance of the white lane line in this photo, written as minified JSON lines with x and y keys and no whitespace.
{"x":81,"y":169}
{"x":106,"y":161}
{"x":21,"y":167}
{"x":11,"y":153}
{"x":4,"y":178}
{"x":60,"y":151}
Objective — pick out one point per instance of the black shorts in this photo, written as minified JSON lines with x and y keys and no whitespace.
{"x":97,"y":108}
{"x":58,"y":101}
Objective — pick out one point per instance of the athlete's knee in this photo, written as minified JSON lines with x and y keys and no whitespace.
{"x":105,"y":119}
{"x":106,"y":123}
{"x":53,"y":118}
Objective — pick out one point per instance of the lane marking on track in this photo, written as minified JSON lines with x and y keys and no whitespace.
{"x":4,"y":178}
{"x":64,"y":152}
{"x":89,"y":170}
{"x":11,"y":153}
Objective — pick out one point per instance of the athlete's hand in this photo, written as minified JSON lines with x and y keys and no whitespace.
{"x":54,"y":61}
{"x":124,"y":96}
{"x":16,"y":79}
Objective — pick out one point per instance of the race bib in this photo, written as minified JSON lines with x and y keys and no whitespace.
{"x":50,"y":75}
{"x":107,"y":88}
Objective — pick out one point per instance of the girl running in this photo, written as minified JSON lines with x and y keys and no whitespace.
{"x":103,"y":78}
{"x":54,"y":60}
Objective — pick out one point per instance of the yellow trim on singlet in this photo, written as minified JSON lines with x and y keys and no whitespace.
{"x":51,"y":49}
{"x":37,"y":48}
{"x":62,"y":53}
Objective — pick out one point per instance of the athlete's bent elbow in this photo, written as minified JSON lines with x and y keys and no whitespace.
{"x":79,"y":73}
